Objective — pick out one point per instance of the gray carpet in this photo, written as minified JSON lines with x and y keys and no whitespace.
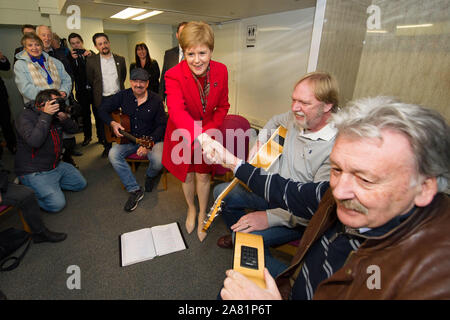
{"x":93,"y":219}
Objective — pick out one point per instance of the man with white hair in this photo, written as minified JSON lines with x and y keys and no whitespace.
{"x":379,"y":228}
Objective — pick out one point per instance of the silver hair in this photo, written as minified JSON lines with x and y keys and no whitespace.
{"x":426,"y":130}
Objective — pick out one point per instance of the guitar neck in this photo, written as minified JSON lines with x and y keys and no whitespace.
{"x":128,"y":135}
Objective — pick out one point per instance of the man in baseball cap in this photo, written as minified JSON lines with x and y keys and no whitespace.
{"x":147,"y":118}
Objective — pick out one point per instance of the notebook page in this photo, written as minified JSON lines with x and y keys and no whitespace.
{"x":137,"y":246}
{"x":167,"y":239}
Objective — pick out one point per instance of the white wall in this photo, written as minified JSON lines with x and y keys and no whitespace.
{"x":262,"y":78}
{"x":158,"y":39}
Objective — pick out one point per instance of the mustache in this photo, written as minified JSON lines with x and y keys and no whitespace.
{"x":354,"y":205}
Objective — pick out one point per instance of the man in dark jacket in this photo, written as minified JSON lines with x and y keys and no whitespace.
{"x":5,"y":111}
{"x":77,"y":58}
{"x":171,"y":58}
{"x":20,"y":196}
{"x":40,"y":128}
{"x":379,"y":228}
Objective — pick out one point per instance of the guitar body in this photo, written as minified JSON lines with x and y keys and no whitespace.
{"x":124,"y":120}
{"x":264,"y":158}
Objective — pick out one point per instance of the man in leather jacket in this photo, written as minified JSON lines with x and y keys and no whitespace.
{"x":379,"y":228}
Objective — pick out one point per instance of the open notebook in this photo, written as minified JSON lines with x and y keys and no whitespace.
{"x":145,"y":244}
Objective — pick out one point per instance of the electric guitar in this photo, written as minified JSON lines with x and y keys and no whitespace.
{"x":264,"y":158}
{"x":124,"y":120}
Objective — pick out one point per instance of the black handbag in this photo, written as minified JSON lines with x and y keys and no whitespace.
{"x":11,"y":240}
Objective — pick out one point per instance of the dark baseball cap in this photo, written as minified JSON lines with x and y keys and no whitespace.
{"x":139,"y":74}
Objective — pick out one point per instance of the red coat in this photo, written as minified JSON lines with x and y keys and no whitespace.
{"x":185,"y":107}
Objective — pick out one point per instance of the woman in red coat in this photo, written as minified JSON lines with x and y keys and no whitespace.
{"x":197,"y":100}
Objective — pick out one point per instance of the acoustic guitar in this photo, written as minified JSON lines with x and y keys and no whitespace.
{"x":264,"y":158}
{"x":124,"y":120}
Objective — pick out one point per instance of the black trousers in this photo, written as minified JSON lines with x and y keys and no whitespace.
{"x":24,"y":198}
{"x":85,"y":100}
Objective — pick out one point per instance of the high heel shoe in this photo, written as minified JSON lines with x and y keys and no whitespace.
{"x":190,"y":222}
{"x":200,"y":233}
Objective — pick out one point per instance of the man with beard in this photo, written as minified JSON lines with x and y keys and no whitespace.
{"x":379,"y":228}
{"x":147,"y":118}
{"x":305,"y":158}
{"x":106,"y":73}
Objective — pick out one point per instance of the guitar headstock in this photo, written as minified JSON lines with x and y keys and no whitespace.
{"x":146,"y":142}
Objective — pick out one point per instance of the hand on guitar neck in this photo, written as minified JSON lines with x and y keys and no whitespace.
{"x":146,"y":143}
{"x":116,"y":127}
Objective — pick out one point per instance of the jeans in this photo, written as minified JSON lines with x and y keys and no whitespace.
{"x":117,"y":156}
{"x":48,"y":185}
{"x":235,"y":205}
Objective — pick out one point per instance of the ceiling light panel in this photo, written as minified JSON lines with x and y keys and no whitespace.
{"x":148,"y":15}
{"x":127,"y":13}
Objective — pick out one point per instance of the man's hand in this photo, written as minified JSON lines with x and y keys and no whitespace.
{"x":51,"y":107}
{"x":254,"y":150}
{"x":237,"y":287}
{"x":87,"y":53}
{"x":74,"y":54}
{"x":254,"y":221}
{"x":142,"y":151}
{"x":116,"y":126}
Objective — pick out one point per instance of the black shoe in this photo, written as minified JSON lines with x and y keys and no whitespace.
{"x":48,"y":236}
{"x":86,"y":141}
{"x":133,"y":200}
{"x":77,"y":153}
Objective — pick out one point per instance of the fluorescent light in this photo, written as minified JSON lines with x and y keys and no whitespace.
{"x":127,"y":13}
{"x":415,"y":26}
{"x":376,"y":31}
{"x":147,"y":15}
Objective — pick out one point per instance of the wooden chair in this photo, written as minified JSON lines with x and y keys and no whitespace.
{"x":134,"y":161}
{"x":5,"y":209}
{"x":234,"y":122}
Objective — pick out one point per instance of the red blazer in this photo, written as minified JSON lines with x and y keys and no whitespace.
{"x":185,"y":107}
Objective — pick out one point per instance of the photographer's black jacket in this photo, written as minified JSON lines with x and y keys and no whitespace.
{"x":39,"y":140}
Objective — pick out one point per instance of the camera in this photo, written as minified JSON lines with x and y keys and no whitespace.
{"x":79,"y":51}
{"x":74,"y":109}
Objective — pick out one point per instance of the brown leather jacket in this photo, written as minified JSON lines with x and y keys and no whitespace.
{"x":412,"y":260}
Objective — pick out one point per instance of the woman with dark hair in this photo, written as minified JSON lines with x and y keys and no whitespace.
{"x":143,"y":60}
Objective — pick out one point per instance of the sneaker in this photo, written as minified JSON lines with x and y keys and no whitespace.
{"x":133,"y":200}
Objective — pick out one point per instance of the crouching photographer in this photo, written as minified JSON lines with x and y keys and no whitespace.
{"x":40,"y":129}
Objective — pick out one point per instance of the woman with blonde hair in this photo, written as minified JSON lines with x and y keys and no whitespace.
{"x":197,"y":100}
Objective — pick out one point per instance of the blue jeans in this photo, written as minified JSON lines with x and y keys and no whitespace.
{"x":48,"y":185}
{"x":117,"y":156}
{"x":236,"y":203}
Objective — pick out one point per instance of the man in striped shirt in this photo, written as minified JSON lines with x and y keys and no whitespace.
{"x":380,"y":211}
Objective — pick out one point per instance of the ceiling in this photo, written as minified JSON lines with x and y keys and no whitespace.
{"x":175,"y":11}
